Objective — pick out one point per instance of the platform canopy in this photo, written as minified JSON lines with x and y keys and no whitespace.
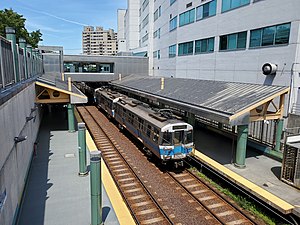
{"x":226,"y":102}
{"x":51,"y":89}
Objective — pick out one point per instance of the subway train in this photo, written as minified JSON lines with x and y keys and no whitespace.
{"x":163,"y":134}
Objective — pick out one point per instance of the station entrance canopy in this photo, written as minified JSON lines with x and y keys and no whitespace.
{"x":51,"y":89}
{"x":225,"y":102}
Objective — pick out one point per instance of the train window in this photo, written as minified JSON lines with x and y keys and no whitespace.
{"x":189,"y":137}
{"x":178,"y":137}
{"x":131,"y":118}
{"x":167,"y":138}
{"x":155,"y":135}
{"x":141,"y":123}
{"x":148,"y":130}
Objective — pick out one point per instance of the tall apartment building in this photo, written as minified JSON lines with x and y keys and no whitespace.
{"x":223,"y":40}
{"x":99,"y":41}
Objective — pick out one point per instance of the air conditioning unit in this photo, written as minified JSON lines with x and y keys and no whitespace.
{"x":290,"y":172}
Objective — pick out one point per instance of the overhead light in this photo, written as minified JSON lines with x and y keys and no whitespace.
{"x":20,"y":139}
{"x":28,"y":118}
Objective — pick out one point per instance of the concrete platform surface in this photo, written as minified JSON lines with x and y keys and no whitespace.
{"x":55,"y":194}
{"x":260,"y":169}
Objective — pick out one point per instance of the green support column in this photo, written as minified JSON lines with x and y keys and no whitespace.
{"x":11,"y":35}
{"x":71,"y":120}
{"x":82,"y":149}
{"x":279,"y":130}
{"x":22,"y":43}
{"x":96,"y":192}
{"x":191,"y":119}
{"x":241,"y":147}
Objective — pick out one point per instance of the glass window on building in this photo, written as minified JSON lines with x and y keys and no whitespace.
{"x":233,"y":41}
{"x":172,"y":1}
{"x":187,"y":17}
{"x":269,"y":36}
{"x":172,"y":51}
{"x":186,"y":48}
{"x":204,"y":45}
{"x":173,"y":24}
{"x":206,"y":10}
{"x":232,"y":4}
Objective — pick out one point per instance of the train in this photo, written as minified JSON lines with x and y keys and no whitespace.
{"x":162,"y":133}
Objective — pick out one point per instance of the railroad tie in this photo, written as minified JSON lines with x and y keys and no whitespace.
{"x":147,"y":211}
{"x":206,"y":198}
{"x":133,"y":190}
{"x":120,"y":170}
{"x":235,"y":222}
{"x":118,"y":166}
{"x":115,"y":162}
{"x":186,"y":180}
{"x":130,"y":184}
{"x":142,"y":204}
{"x":226,"y":213}
{"x":137,"y":197}
{"x":123,"y":174}
{"x":126,"y":179}
{"x":213,"y":206}
{"x":199,"y":191}
{"x":192,"y":186}
{"x":181,"y":175}
{"x":153,"y":220}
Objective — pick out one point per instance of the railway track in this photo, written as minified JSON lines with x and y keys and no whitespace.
{"x":142,"y":205}
{"x":225,"y":212}
{"x":154,"y":196}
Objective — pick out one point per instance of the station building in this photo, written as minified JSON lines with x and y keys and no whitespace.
{"x":221,"y":40}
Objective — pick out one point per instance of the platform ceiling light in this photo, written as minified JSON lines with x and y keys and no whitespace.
{"x":28,"y":118}
{"x":20,"y":139}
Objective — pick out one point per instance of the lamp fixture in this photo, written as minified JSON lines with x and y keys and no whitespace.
{"x":20,"y":139}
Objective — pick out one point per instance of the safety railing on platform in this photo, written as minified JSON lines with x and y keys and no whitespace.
{"x":26,"y":64}
{"x":260,"y":131}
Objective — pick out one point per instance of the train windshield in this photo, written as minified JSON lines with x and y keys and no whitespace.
{"x":189,"y":137}
{"x":178,"y":137}
{"x":167,"y":138}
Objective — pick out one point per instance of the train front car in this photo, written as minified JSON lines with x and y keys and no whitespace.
{"x":176,"y":142}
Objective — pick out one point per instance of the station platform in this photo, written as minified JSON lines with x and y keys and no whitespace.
{"x":54,"y":193}
{"x":261,"y":176}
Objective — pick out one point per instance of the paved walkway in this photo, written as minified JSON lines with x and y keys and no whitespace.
{"x":261,"y":170}
{"x":55,"y":194}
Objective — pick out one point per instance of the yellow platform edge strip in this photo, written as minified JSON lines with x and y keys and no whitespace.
{"x":271,"y":199}
{"x":113,"y":193}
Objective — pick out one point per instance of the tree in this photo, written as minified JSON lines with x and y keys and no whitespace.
{"x":9,"y":18}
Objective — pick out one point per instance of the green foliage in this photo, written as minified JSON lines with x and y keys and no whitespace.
{"x":9,"y":18}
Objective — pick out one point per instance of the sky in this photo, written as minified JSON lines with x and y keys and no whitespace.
{"x":61,"y":21}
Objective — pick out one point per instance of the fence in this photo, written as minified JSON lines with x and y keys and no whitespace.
{"x":261,"y":131}
{"x":29,"y":64}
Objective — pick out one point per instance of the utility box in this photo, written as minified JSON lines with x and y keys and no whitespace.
{"x":290,"y":172}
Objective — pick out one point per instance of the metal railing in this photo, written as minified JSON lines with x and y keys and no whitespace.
{"x":29,"y":65}
{"x":260,"y":131}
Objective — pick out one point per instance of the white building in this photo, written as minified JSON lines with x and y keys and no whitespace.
{"x":99,"y":41}
{"x":226,"y":40}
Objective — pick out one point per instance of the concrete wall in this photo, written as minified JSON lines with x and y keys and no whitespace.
{"x":15,"y":158}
